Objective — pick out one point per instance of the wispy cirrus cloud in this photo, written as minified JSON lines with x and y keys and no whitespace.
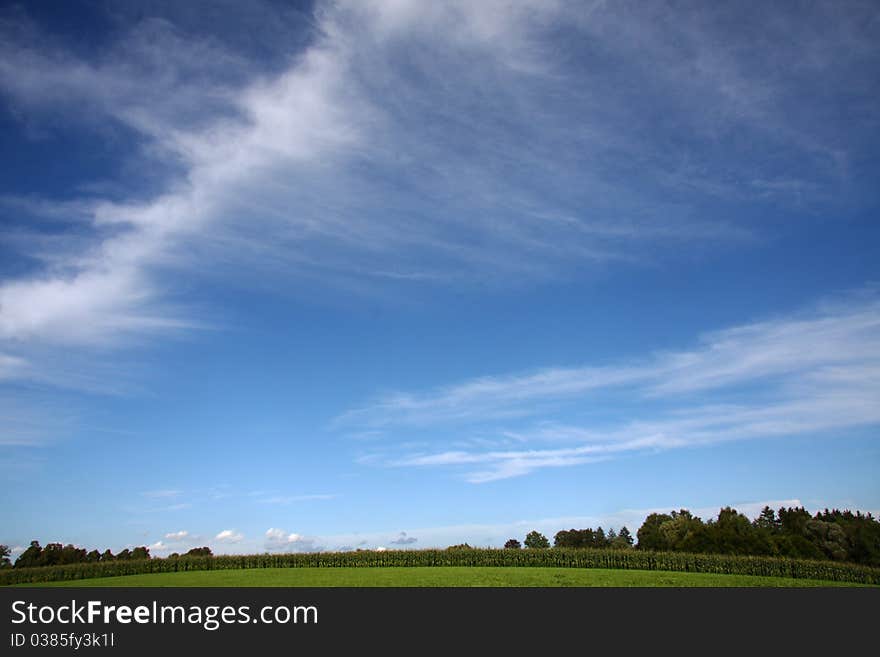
{"x":835,"y":341}
{"x":483,"y":170}
{"x":812,"y":372}
{"x":352,"y":161}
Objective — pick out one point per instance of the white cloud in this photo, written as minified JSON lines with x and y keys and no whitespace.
{"x":813,"y":372}
{"x":94,"y":305}
{"x":179,"y":536}
{"x":508,"y":166}
{"x":836,"y":344}
{"x":243,"y":148}
{"x":229,"y":536}
{"x":108,"y":291}
{"x":280,"y":540}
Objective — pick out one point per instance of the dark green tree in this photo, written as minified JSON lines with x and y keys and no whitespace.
{"x":200,"y":552}
{"x":829,"y":537}
{"x":512,"y":544}
{"x":678,"y":528}
{"x":622,"y":540}
{"x":649,"y":535}
{"x":140,"y":553}
{"x":536,"y":540}
{"x":5,"y":553}
{"x":576,"y":538}
{"x":791,"y":532}
{"x":734,"y":534}
{"x":863,"y":533}
{"x":72,"y":554}
{"x":793,"y":521}
{"x":767,"y":520}
{"x":30,"y":557}
{"x":51,"y":554}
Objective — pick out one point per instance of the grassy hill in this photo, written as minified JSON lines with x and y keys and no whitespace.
{"x":442,"y":576}
{"x":567,"y":559}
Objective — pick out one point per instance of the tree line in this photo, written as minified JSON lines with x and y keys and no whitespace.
{"x":56,"y":554}
{"x":790,"y":532}
{"x":576,"y":538}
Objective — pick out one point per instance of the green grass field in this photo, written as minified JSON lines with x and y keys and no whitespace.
{"x":441,"y":576}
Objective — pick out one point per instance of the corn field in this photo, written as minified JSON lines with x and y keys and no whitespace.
{"x":556,"y":557}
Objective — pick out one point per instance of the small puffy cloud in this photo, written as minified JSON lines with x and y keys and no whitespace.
{"x":229,"y":536}
{"x":279,"y":539}
{"x":177,"y":537}
{"x":275,"y":535}
{"x":403,"y":539}
{"x":159,"y":546}
{"x":381,"y":549}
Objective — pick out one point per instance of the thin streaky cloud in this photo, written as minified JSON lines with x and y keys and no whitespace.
{"x":808,"y":374}
{"x":837,"y":343}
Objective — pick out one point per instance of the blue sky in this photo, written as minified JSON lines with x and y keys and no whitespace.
{"x":292,"y":276}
